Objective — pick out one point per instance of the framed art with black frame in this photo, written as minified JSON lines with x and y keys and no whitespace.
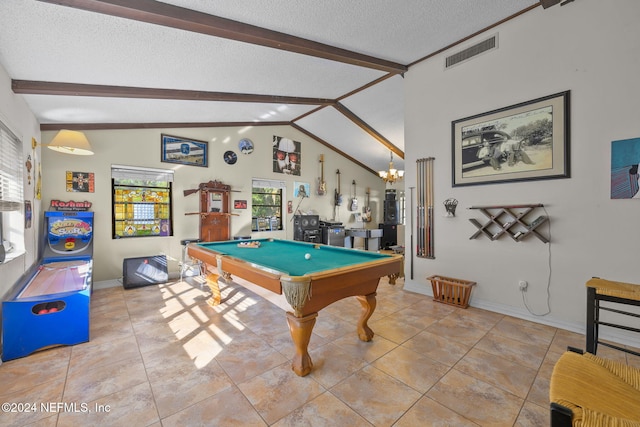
{"x":184,"y":151}
{"x":522,"y":142}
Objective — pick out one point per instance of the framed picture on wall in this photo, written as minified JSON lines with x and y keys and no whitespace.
{"x":522,"y":142}
{"x":175,"y":149}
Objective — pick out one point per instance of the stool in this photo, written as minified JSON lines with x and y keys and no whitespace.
{"x":617,"y":292}
{"x":587,"y":390}
{"x":189,"y":266}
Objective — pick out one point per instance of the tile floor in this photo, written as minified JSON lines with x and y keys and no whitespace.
{"x":160,"y":356}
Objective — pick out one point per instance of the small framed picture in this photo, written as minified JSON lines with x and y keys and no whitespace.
{"x":184,"y":151}
{"x":239,"y":204}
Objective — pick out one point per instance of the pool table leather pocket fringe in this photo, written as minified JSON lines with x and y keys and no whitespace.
{"x":297,"y":294}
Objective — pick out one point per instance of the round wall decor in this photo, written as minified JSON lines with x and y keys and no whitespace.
{"x":246,"y":146}
{"x":230,"y":157}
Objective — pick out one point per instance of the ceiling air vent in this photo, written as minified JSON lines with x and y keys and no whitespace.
{"x":472,"y":51}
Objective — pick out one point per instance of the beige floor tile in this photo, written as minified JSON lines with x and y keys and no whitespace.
{"x":34,"y":397}
{"x":331,"y":327}
{"x":539,"y":393}
{"x":331,"y":365}
{"x":181,"y":384}
{"x":476,"y":318}
{"x":365,"y":350}
{"x":433,"y":308}
{"x":106,"y":329}
{"x":476,"y":400}
{"x":437,"y":347}
{"x":415,"y":370}
{"x":500,"y":372}
{"x":229,"y":407}
{"x":429,"y":413}
{"x":247,"y":356}
{"x":131,"y":407}
{"x":324,"y":411}
{"x":32,"y":371}
{"x":415,"y":317}
{"x":276,"y":393}
{"x":92,"y":383}
{"x":526,"y":354}
{"x":525,"y":331}
{"x":101,"y":353}
{"x":394,"y":329}
{"x":564,"y":339}
{"x":458,"y":329}
{"x":377,"y":396}
{"x":533,"y":415}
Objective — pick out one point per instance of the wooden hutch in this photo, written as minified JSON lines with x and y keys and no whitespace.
{"x":215,"y":215}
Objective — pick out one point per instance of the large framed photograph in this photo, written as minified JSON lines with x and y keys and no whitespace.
{"x":184,"y":151}
{"x":522,"y":142}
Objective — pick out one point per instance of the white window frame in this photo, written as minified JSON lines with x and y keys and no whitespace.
{"x":11,"y":193}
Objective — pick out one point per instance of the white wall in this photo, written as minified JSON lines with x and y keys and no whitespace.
{"x":591,"y":48}
{"x":142,"y":148}
{"x":15,"y":113}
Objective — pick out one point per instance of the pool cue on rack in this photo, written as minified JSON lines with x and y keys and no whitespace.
{"x":420,"y":208}
{"x":411,"y":213}
{"x":430,"y":252}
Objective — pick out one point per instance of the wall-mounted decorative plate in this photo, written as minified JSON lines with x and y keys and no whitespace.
{"x":230,"y":157}
{"x":246,"y":146}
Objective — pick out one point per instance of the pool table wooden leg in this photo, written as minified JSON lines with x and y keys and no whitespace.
{"x":212,"y":282}
{"x":300,"y":329}
{"x":368,"y":303}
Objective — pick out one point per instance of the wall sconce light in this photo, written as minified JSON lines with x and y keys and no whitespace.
{"x":392,"y":175}
{"x":71,"y":142}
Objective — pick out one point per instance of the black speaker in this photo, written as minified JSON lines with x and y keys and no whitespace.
{"x":144,"y":271}
{"x":306,"y":228}
{"x":390,"y":194}
{"x":307,"y":222}
{"x":390,"y":212}
{"x":389,"y":235}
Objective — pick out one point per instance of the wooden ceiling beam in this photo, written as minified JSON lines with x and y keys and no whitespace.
{"x":368,"y":129}
{"x":331,"y":147}
{"x":112,"y":126}
{"x":74,"y":89}
{"x":155,"y":12}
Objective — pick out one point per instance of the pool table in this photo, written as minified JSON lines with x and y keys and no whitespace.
{"x":309,"y":283}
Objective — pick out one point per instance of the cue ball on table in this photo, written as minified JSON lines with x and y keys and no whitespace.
{"x":307,"y":256}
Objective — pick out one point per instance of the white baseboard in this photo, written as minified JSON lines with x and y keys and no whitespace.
{"x":607,"y":334}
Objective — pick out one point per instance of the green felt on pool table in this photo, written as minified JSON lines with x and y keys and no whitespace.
{"x":288,"y":256}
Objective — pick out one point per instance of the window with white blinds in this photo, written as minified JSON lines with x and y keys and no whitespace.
{"x":11,"y":195}
{"x":11,"y":165}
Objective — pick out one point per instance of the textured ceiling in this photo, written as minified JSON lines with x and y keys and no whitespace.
{"x":44,"y":41}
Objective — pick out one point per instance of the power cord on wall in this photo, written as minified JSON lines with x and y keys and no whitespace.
{"x":524,"y":297}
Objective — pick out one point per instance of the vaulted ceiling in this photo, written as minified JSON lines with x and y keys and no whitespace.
{"x":332,"y":69}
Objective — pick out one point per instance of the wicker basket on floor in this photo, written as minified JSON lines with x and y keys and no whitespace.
{"x":451,"y":291}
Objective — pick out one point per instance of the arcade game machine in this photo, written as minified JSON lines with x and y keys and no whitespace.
{"x":52,"y":307}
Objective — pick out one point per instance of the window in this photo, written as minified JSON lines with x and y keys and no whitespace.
{"x":142,"y":202}
{"x":11,"y":198}
{"x":266,"y":205}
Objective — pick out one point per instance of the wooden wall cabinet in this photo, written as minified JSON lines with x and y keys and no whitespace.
{"x":514,"y":221}
{"x":215,"y":211}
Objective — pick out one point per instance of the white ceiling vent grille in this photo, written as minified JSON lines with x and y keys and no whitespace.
{"x":464,"y":55}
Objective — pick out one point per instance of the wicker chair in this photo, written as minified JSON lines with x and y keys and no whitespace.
{"x":589,"y":391}
{"x":620,"y":293}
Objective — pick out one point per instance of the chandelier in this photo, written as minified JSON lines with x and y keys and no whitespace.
{"x":392,"y":175}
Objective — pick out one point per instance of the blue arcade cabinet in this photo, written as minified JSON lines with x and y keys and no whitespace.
{"x":51,"y":306}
